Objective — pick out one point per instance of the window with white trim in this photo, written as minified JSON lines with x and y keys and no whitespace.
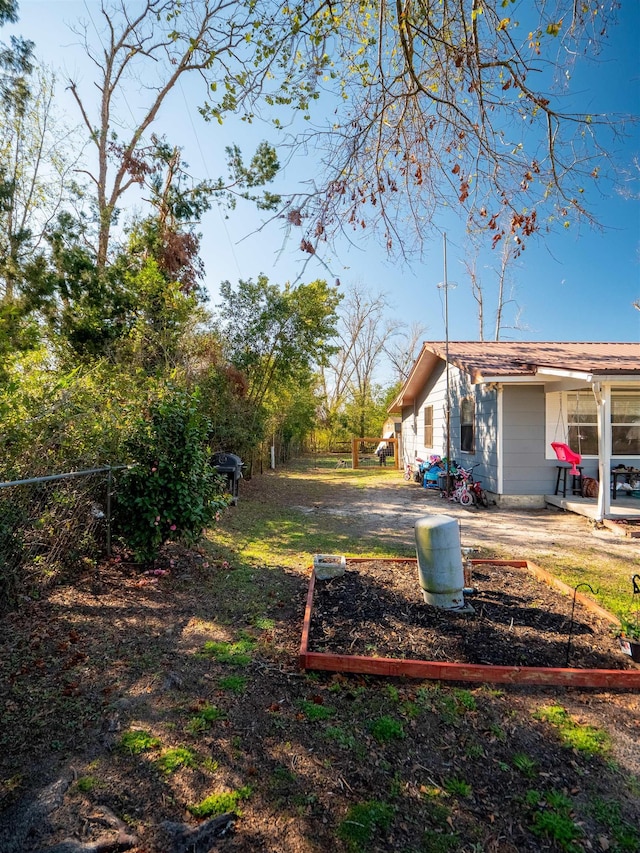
{"x":428,"y":426}
{"x":572,"y":417}
{"x":582,"y":423}
{"x":467,"y":424}
{"x":625,"y":423}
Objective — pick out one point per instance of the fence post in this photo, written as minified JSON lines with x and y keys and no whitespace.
{"x":109,"y":485}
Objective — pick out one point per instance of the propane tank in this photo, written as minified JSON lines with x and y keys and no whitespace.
{"x":440,"y":568}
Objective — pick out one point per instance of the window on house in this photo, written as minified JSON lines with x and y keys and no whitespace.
{"x":428,"y":426}
{"x":625,"y":423}
{"x":582,"y":422}
{"x":467,"y":424}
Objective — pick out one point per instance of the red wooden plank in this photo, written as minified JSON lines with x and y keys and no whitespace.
{"x":306,"y":625}
{"x":556,"y":583}
{"x":479,"y":673}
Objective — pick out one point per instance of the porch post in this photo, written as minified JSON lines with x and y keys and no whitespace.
{"x":602,"y":394}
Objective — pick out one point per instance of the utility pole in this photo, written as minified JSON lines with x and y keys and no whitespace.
{"x":445,"y":286}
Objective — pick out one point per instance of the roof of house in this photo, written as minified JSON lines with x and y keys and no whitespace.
{"x":493,"y":361}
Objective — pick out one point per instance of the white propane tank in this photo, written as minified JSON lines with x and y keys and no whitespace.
{"x":440,"y":569}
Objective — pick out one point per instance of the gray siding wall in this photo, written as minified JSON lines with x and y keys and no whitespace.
{"x":433,"y":394}
{"x":485,"y":454}
{"x":526,"y":470}
{"x":523,"y":442}
{"x":486,"y":425}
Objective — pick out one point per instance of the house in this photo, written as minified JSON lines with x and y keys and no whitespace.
{"x":505,"y":402}
{"x":392,"y":427}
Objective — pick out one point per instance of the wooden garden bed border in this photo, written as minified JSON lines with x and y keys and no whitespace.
{"x":479,"y":673}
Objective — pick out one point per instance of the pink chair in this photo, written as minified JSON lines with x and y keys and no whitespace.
{"x":565,"y":454}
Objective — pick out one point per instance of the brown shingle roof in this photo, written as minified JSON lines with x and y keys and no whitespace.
{"x":490,"y":360}
{"x":486,"y":358}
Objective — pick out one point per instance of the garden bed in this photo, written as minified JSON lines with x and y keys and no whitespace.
{"x":373,"y":619}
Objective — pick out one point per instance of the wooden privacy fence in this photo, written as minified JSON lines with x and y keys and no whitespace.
{"x":363,"y":452}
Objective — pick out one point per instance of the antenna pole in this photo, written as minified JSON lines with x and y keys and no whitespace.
{"x":445,"y":285}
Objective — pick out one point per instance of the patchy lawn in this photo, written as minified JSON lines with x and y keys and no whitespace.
{"x":139,"y":708}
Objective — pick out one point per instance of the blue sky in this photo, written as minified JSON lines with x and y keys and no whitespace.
{"x":576,"y":285}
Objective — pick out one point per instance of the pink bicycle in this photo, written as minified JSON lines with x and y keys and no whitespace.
{"x":466,"y":490}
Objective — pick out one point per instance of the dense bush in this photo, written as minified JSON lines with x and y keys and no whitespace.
{"x":54,"y":420}
{"x":170,"y":491}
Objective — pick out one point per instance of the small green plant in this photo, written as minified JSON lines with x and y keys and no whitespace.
{"x":498,"y":732}
{"x":553,"y":820}
{"x":205,"y":717}
{"x":410,"y":710}
{"x":363,"y":823}
{"x":86,"y":784}
{"x":137,"y":741}
{"x":314,"y":712}
{"x":457,"y":787}
{"x":175,"y":758}
{"x":342,"y":738}
{"x":264,"y":624}
{"x":231,"y":654}
{"x":438,"y":842}
{"x":396,"y":786}
{"x":625,"y":836}
{"x":210,"y":765}
{"x":586,"y":739}
{"x":220,"y":803}
{"x":233,"y":683}
{"x":283,"y":775}
{"x":427,"y":695}
{"x":629,"y":628}
{"x":525,"y":764}
{"x":474,"y":750}
{"x":452,"y":705}
{"x":465,"y":699}
{"x":393,"y":693}
{"x":385,"y":729}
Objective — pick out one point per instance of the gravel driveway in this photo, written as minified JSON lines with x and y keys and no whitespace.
{"x":391,"y":510}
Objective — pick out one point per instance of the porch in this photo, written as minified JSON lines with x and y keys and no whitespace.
{"x":620,"y":510}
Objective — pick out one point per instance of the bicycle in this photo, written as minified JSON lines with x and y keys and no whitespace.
{"x":474,"y":487}
{"x":462,"y":492}
{"x":478,"y":493}
{"x":467,"y":491}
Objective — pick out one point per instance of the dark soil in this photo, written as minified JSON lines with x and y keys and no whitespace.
{"x":376,"y":609}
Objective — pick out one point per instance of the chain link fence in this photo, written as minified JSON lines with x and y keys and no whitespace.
{"x":50,"y":527}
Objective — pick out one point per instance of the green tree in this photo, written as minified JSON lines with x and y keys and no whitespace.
{"x":86,"y":311}
{"x":276,"y":335}
{"x":37,"y":157}
{"x":244,"y":52}
{"x":15,"y":68}
{"x":349,"y":385}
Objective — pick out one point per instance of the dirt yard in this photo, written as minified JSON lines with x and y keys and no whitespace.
{"x":161,"y":710}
